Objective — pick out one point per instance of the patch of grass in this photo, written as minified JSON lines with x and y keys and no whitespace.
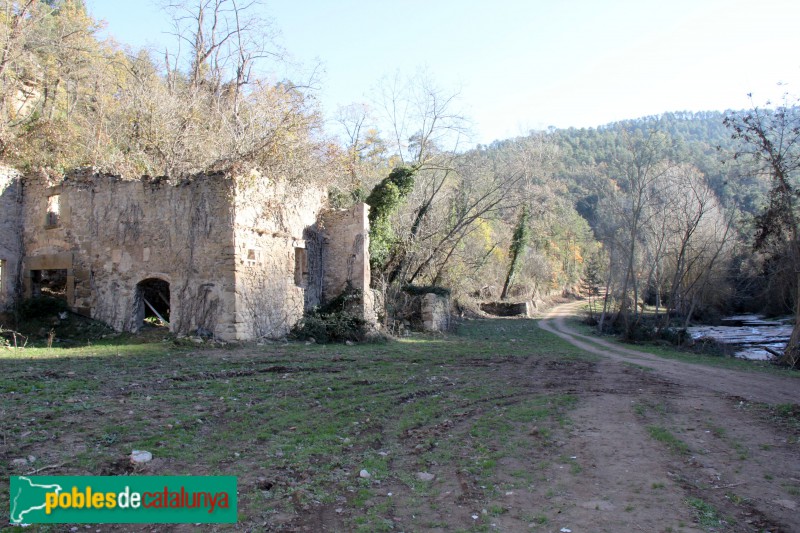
{"x":574,"y":467}
{"x":741,"y":451}
{"x":497,"y":510}
{"x":791,"y":488}
{"x":788,"y":410}
{"x":717,"y":431}
{"x":637,"y":366}
{"x":735,"y":498}
{"x":706,"y":515}
{"x":664,"y":436}
{"x":785,"y":416}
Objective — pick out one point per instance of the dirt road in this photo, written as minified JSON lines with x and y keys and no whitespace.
{"x":748,"y":386}
{"x":685,"y":443}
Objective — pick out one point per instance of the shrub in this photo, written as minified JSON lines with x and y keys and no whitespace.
{"x":335,"y":321}
{"x":338,"y":326}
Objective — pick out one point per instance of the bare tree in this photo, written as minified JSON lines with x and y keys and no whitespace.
{"x":694,"y":221}
{"x":364,"y":149}
{"x":640,"y":163}
{"x":425,"y":121}
{"x":226,"y":39}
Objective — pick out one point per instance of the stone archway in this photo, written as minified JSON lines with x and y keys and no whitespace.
{"x":152,"y":303}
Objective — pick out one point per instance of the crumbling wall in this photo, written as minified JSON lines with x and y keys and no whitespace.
{"x":111,"y":234}
{"x":525,"y":309}
{"x":346,"y":256}
{"x":278,"y":263}
{"x":435,"y":311}
{"x":10,"y":235}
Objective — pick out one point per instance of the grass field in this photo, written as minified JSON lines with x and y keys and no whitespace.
{"x":297,"y":423}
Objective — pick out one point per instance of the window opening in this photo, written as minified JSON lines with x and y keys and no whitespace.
{"x":300,"y":266}
{"x":53,"y":210}
{"x":51,"y":283}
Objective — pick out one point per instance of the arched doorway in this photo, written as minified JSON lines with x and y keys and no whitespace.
{"x":152,"y":303}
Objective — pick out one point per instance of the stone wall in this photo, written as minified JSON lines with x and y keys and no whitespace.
{"x":278,"y":274}
{"x":111,"y":234}
{"x":10,"y":234}
{"x":525,"y":309}
{"x":346,"y":256}
{"x":435,"y":311}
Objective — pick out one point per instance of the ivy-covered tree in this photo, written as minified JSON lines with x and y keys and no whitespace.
{"x":518,"y":243}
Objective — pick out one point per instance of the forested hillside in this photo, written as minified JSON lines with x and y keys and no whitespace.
{"x":690,"y":213}
{"x":694,"y":213}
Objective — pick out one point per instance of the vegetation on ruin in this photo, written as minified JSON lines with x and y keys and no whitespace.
{"x":384,"y":200}
{"x":72,"y":99}
{"x":337,"y":320}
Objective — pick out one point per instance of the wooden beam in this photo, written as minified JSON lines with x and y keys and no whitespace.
{"x":153,"y":309}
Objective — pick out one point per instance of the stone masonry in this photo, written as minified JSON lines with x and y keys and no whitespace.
{"x":435,"y":311}
{"x":346,"y":254}
{"x":10,"y":235}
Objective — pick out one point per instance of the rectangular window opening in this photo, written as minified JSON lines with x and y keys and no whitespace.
{"x":53,"y":211}
{"x":49,"y":283}
{"x":252,"y":257}
{"x":300,"y":267}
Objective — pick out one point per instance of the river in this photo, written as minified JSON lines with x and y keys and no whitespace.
{"x":748,"y":334}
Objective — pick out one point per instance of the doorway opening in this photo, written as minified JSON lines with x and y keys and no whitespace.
{"x":152,"y":303}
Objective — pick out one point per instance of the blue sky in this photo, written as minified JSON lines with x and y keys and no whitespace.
{"x":522,"y":65}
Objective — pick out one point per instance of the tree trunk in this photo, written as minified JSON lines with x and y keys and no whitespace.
{"x":607,"y":291}
{"x":791,"y":355}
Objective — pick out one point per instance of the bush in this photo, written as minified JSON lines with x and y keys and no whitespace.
{"x":343,"y":303}
{"x":334,"y":321}
{"x":41,"y":307}
{"x":676,"y":336}
{"x":331,"y":327}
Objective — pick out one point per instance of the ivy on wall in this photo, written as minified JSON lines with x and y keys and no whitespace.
{"x":384,"y":200}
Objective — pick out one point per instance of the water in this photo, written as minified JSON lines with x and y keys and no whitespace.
{"x":749,"y":334}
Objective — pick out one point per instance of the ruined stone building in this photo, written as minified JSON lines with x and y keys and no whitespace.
{"x":237,"y":257}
